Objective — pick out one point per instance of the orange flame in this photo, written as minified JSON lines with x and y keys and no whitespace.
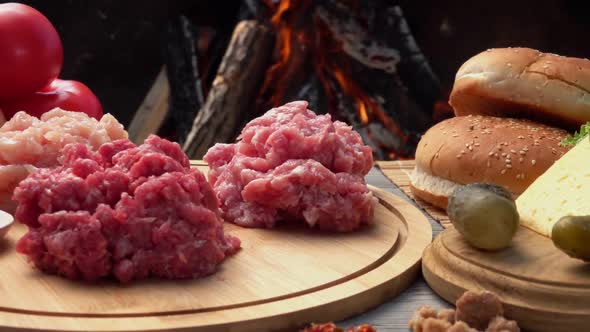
{"x":367,"y":108}
{"x":333,"y":70}
{"x":288,"y":48}
{"x":362,"y":112}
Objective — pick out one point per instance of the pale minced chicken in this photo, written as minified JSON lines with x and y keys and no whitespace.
{"x":291,"y":164}
{"x":28,"y":142}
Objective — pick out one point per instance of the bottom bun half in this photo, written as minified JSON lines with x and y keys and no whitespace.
{"x":432,"y":189}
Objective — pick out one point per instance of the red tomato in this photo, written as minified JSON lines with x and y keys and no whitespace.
{"x":31,"y":53}
{"x":68,"y":95}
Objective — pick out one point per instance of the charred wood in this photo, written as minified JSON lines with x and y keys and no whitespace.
{"x":186,"y":95}
{"x":216,"y":52}
{"x":373,"y":63}
{"x":349,"y":116}
{"x":232,"y":94}
{"x":414,"y":69}
{"x":251,"y":10}
{"x":312,"y":91}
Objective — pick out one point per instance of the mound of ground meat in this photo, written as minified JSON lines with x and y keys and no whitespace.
{"x":27,"y":142}
{"x":291,"y":164}
{"x":476,"y":311}
{"x":125,"y":211}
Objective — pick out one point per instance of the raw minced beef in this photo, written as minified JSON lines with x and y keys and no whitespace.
{"x":27,"y":142}
{"x":291,"y":164}
{"x":127,"y":211}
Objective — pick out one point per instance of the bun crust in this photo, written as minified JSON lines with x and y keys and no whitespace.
{"x":509,"y":152}
{"x":524,"y":83}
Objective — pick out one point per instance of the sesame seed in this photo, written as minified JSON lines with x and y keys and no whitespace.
{"x":503,"y":154}
{"x":512,"y":151}
{"x":455,"y":135}
{"x":496,"y":155}
{"x":521,"y":152}
{"x":503,"y":171}
{"x":488,"y":164}
{"x":508,"y":161}
{"x":462,"y":151}
{"x":476,"y":144}
{"x":533,"y":161}
{"x":508,"y":166}
{"x":491,"y":153}
{"x":459,"y":156}
{"x":520,"y":137}
{"x":470,"y":148}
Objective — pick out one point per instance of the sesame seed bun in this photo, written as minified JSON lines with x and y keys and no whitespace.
{"x":466,"y":149}
{"x":524,"y":83}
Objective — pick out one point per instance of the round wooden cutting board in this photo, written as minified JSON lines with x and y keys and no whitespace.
{"x":541,"y":287}
{"x":281,"y":279}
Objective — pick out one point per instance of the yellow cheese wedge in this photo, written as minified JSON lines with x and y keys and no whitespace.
{"x":563,"y":190}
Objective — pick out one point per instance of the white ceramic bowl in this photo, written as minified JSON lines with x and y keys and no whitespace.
{"x":6,"y":220}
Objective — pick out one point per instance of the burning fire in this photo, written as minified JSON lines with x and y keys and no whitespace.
{"x":305,"y":42}
{"x":362,"y":108}
{"x":289,"y":42}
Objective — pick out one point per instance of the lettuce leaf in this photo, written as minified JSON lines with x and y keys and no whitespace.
{"x":577,"y":137}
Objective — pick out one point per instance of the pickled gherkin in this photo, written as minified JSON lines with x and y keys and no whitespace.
{"x":484,"y":214}
{"x":571,"y":234}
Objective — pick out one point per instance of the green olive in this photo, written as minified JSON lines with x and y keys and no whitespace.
{"x":484,"y":214}
{"x":571,"y":234}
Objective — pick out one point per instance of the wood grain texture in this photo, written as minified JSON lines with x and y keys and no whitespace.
{"x":151,"y":113}
{"x":541,"y":287}
{"x":398,"y":172}
{"x":393,"y":315}
{"x":281,"y":279}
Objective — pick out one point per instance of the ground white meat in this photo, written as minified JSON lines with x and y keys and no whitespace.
{"x":27,"y":142}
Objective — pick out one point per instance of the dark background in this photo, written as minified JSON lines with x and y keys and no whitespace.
{"x":115,"y":47}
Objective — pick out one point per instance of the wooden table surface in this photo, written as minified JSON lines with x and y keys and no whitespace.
{"x":395,"y":314}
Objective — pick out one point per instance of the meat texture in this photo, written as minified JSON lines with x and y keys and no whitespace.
{"x":125,"y":211}
{"x":27,"y":142}
{"x":291,"y":164}
{"x":331,"y":327}
{"x":476,"y":311}
{"x":501,"y":324}
{"x":478,"y":308}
